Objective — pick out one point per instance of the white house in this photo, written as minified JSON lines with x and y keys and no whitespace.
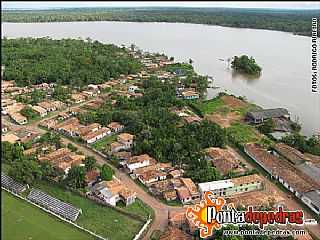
{"x":138,"y":162}
{"x":132,"y":89}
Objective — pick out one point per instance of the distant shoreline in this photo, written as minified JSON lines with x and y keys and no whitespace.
{"x":296,"y":21}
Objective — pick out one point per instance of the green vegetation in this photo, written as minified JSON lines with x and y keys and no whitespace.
{"x":103,"y":220}
{"x":90,"y":163}
{"x":21,"y":220}
{"x":67,"y":62}
{"x":29,"y":113}
{"x":33,"y":98}
{"x":156,"y":128}
{"x":295,"y":21}
{"x":246,"y":65}
{"x":211,"y":106}
{"x":106,"y":172}
{"x":76,"y":177}
{"x":138,"y":207}
{"x":302,"y":143}
{"x":72,"y":147}
{"x":104,"y":142}
{"x":61,"y":93}
{"x":267,"y":126}
{"x":241,"y":133}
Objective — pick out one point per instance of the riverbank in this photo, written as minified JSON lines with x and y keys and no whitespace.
{"x":283,"y":83}
{"x":227,"y":17}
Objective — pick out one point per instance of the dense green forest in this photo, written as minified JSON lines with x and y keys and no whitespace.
{"x":67,"y":61}
{"x":295,"y":21}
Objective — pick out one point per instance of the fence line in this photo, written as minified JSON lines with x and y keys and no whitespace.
{"x":142,"y":229}
{"x":61,"y":218}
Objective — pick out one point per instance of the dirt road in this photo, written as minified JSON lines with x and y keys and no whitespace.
{"x":161,"y":210}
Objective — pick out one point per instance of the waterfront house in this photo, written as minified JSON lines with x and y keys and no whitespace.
{"x":259,"y":116}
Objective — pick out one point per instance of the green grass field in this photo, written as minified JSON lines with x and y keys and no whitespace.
{"x":211,"y":106}
{"x":23,"y":221}
{"x":103,"y":220}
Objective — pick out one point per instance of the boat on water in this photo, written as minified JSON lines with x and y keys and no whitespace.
{"x":221,"y":59}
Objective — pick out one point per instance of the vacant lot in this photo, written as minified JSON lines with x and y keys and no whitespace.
{"x":233,"y":102}
{"x":224,"y":120}
{"x":103,"y":220}
{"x":23,"y":221}
{"x":243,"y":133}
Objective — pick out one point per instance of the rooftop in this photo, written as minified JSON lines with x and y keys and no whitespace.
{"x":268,"y":113}
{"x":215,"y":185}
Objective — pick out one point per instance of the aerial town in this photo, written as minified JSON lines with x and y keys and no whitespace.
{"x":257,"y":171}
{"x":118,"y":144}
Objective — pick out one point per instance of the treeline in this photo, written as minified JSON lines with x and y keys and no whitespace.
{"x":67,"y":61}
{"x":295,"y":21}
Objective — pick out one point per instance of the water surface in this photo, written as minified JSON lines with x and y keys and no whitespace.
{"x":285,"y":58}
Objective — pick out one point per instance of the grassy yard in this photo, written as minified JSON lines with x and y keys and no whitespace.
{"x":103,"y":220}
{"x":243,"y":133}
{"x":211,"y":106}
{"x":139,"y":208}
{"x":101,"y":144}
{"x":23,"y":221}
{"x":174,"y":203}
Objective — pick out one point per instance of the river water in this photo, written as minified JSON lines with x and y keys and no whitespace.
{"x":284,"y":57}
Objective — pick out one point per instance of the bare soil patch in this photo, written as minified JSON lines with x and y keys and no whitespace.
{"x":224,"y":120}
{"x":233,"y":102}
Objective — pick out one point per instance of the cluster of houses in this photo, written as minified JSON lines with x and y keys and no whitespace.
{"x":12,"y":108}
{"x":73,"y":128}
{"x":20,"y":136}
{"x":296,"y":172}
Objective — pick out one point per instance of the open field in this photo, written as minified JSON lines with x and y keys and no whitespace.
{"x":103,"y":220}
{"x":21,"y":220}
